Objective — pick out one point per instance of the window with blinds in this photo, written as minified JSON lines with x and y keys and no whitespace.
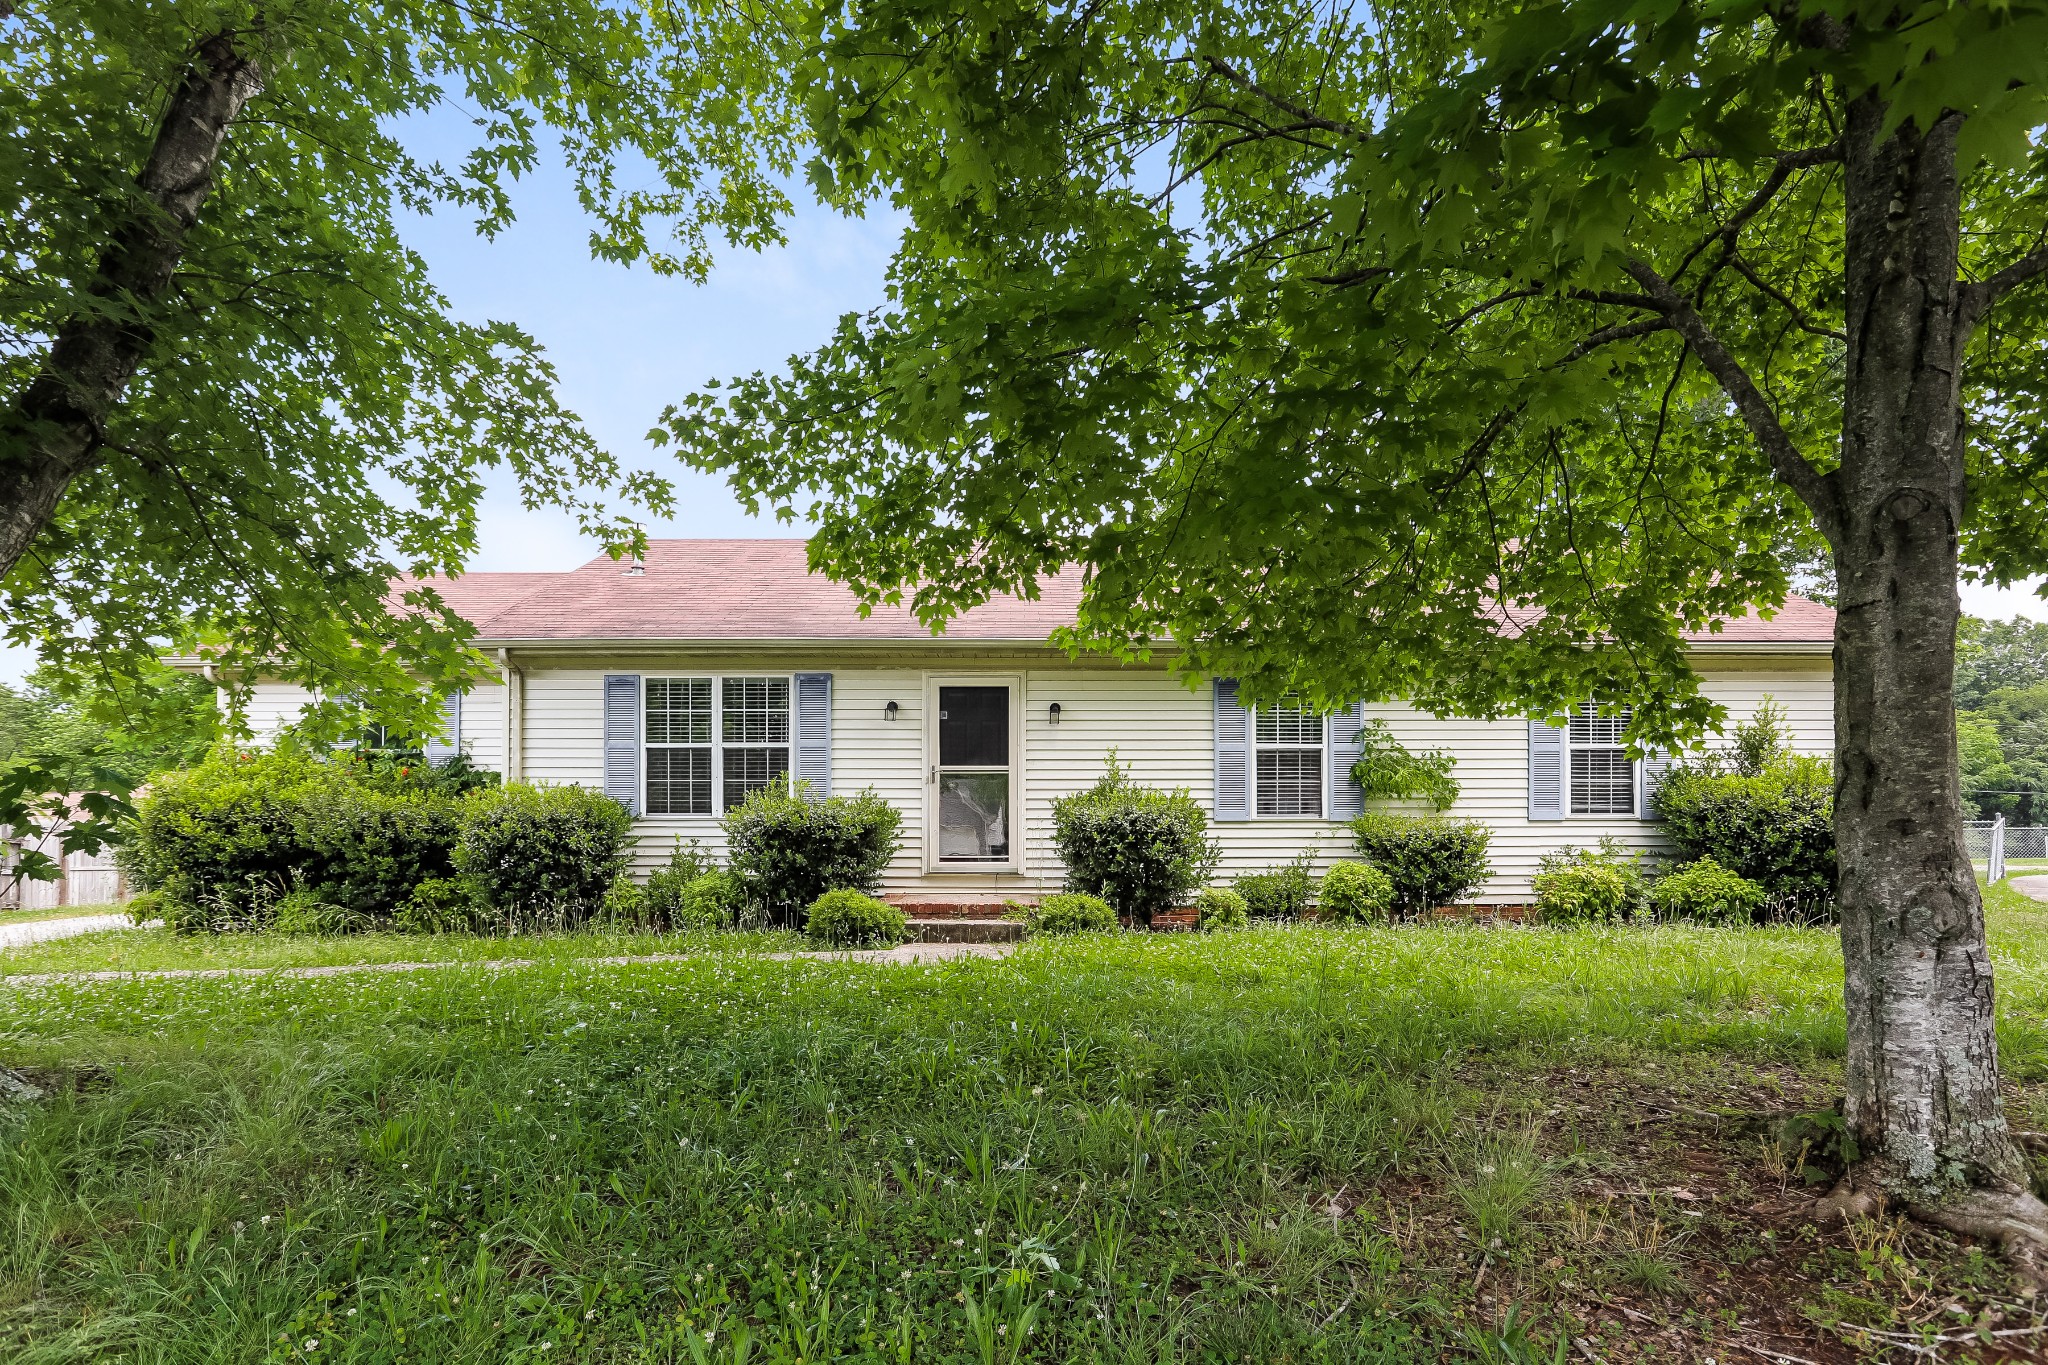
{"x":1287,"y":744}
{"x":1603,"y":776}
{"x":712,"y":742}
{"x":754,"y":735}
{"x":678,"y":746}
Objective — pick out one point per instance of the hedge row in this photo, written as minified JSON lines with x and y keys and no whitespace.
{"x":288,"y":839}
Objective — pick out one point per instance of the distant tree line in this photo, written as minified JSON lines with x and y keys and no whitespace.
{"x":2002,"y":719}
{"x":134,"y":726}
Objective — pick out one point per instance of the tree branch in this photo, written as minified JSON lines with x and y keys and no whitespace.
{"x":1286,"y":106}
{"x":1772,"y":292}
{"x":1978,"y":298}
{"x":1620,"y":331}
{"x":53,"y":430}
{"x":1781,"y":170}
{"x":1818,"y":491}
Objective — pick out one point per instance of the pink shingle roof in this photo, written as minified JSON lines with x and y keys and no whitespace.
{"x":740,"y":590}
{"x":478,"y":597}
{"x":688,"y":590}
{"x":1800,"y":621}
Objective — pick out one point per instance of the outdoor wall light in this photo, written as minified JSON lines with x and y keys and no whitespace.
{"x":889,"y":711}
{"x":1053,"y":714}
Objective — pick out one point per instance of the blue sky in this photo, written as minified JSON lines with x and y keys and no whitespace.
{"x":627,"y":342}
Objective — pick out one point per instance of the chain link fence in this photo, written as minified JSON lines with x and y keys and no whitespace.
{"x":1996,"y":847}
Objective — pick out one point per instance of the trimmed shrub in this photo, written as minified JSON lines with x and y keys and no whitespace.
{"x":1140,"y":849}
{"x":1355,"y":893}
{"x":713,"y":901}
{"x":1283,"y":892}
{"x":787,"y":851}
{"x":219,"y":842}
{"x":853,"y":919}
{"x":439,"y":905}
{"x":222,"y":843}
{"x":1774,"y":826}
{"x":1704,"y":890}
{"x":367,"y":849}
{"x":1589,"y":886}
{"x":1432,"y":860}
{"x":1218,"y":907}
{"x":543,"y":857}
{"x":1072,"y":912}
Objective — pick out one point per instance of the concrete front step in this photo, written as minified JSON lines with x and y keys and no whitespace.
{"x":951,"y":930}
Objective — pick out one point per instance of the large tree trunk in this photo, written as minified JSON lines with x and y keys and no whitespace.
{"x":53,"y":431}
{"x":1922,"y":1069}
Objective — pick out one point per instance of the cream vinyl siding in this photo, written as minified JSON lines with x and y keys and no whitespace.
{"x":564,"y":718}
{"x":1493,"y":763}
{"x":1161,"y":730}
{"x":274,"y":705}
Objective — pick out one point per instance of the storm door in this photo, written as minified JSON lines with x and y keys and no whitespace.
{"x":974,"y":776}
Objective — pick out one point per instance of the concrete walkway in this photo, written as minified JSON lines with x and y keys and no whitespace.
{"x":43,"y":930}
{"x":2035,"y":888}
{"x":906,"y":953}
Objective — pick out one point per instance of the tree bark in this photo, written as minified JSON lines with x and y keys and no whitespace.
{"x":1922,"y":1066}
{"x":54,"y":429}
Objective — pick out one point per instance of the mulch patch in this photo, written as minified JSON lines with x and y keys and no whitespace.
{"x":1674,"y":1163}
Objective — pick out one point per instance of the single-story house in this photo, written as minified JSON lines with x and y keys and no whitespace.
{"x":681,"y":683}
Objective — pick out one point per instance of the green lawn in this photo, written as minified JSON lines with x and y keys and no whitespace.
{"x":153,"y":950}
{"x":1311,"y":1145}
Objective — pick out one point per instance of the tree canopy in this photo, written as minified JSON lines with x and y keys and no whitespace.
{"x":233,"y":407}
{"x":1301,"y":324}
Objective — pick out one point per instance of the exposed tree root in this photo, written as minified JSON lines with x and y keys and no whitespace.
{"x":2012,"y":1219}
{"x":1845,"y":1203}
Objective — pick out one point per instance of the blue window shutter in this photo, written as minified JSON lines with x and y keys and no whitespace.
{"x":1651,"y":770}
{"x":1340,"y":742}
{"x":1546,"y":769}
{"x":622,"y":739}
{"x":1233,"y":754}
{"x":814,"y":734}
{"x":444,"y":746}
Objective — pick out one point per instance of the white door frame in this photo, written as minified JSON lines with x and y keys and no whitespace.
{"x":932,"y":683}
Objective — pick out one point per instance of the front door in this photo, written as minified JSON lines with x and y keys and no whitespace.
{"x":972,"y":745}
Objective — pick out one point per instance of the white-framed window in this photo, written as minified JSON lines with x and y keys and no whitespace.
{"x":1287,"y":761}
{"x":713,"y":741}
{"x":1600,"y":777}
